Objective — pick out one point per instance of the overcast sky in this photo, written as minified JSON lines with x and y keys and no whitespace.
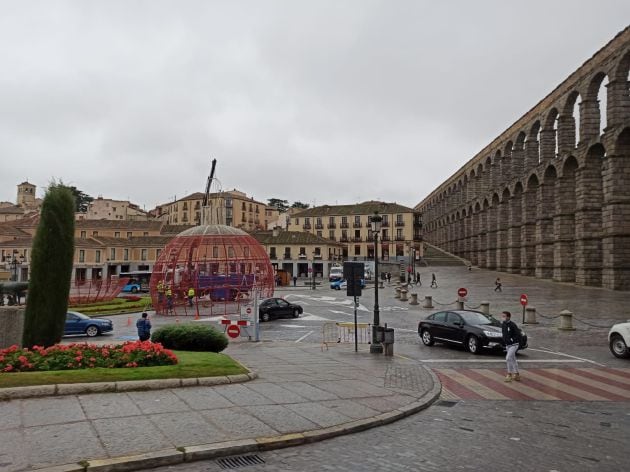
{"x":318,"y":101}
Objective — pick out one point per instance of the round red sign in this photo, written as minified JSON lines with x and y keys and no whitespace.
{"x":523,"y":299}
{"x":233,"y":331}
{"x":462,"y":292}
{"x":248,"y":310}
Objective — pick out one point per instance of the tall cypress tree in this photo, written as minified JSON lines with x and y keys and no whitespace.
{"x":52,"y":256}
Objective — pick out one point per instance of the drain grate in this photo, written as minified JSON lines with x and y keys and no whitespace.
{"x":240,"y":461}
{"x":447,"y":403}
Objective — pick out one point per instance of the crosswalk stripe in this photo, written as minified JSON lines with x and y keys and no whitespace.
{"x":456,"y":388}
{"x":620,"y":375}
{"x":562,"y":386}
{"x":608,"y":390}
{"x":486,"y":393}
{"x":601,"y":376}
{"x":520,"y":387}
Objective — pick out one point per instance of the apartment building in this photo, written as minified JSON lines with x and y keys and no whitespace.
{"x":401,"y":229}
{"x":109,"y":209}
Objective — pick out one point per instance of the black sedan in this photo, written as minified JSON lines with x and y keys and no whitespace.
{"x":278,"y":308}
{"x":471,"y":329}
{"x":78,"y":323}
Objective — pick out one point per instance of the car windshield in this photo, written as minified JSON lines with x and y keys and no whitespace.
{"x":470,"y":317}
{"x":79,"y":315}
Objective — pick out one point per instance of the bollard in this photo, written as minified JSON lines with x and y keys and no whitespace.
{"x":428,"y":302}
{"x":398,"y":290}
{"x":380,"y":284}
{"x":485,"y":308}
{"x":566,"y":321}
{"x":530,"y":315}
{"x":459,"y":304}
{"x":403,"y":295}
{"x":414,"y":299}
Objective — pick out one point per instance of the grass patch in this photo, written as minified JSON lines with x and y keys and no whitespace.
{"x":191,"y":364}
{"x":113,"y":307}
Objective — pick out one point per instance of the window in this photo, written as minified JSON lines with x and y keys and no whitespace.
{"x":318,"y":251}
{"x":399,"y":234}
{"x":357,"y":250}
{"x":157,"y":253}
{"x":441,"y":317}
{"x":112,"y":254}
{"x":287,"y":253}
{"x":81,"y":255}
{"x":126,"y":254}
{"x":453,"y":318}
{"x":129,"y":234}
{"x":83,"y":234}
{"x":297,"y":221}
{"x":357,"y":220}
{"x":231,"y":252}
{"x":143,"y":255}
{"x":399,"y":220}
{"x":272,"y":253}
{"x":94,"y":234}
{"x":146,"y":233}
{"x":319,"y":234}
{"x":215,"y":251}
{"x":246,"y":251}
{"x":243,"y":206}
{"x":117,"y":233}
{"x":331,"y":234}
{"x":97,"y":256}
{"x":302,"y":251}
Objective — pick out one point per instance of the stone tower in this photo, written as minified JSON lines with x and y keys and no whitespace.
{"x":26,"y":195}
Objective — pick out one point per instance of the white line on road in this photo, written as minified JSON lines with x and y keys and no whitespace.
{"x":502,"y":361}
{"x":566,"y":355}
{"x":304,"y":337}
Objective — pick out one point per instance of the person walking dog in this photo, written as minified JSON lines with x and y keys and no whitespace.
{"x":512,"y":339}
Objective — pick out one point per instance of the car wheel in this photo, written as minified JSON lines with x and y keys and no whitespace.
{"x":265,"y":316}
{"x":134,"y":289}
{"x":337,"y":287}
{"x":618,"y":347}
{"x":427,"y":338}
{"x":92,"y":331}
{"x":472,"y":344}
{"x":296,"y":313}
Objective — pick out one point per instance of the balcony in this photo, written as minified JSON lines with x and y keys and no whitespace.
{"x":302,"y":256}
{"x":344,"y":225}
{"x":400,"y":238}
{"x":287,"y":255}
{"x":319,"y":226}
{"x":306,"y":226}
{"x":356,"y":224}
{"x":344,"y":239}
{"x":331,"y":238}
{"x":385,"y":238}
{"x":332,"y":225}
{"x":273,"y":257}
{"x":385,"y":224}
{"x":357,"y":239}
{"x":317,"y":256}
{"x":400,"y":223}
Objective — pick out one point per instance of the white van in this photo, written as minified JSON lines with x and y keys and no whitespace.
{"x":336,"y":273}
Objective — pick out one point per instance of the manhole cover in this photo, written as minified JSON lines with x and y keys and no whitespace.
{"x":240,"y":461}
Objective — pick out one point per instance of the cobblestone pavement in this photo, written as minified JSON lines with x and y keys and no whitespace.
{"x":469,"y":435}
{"x":300,"y":388}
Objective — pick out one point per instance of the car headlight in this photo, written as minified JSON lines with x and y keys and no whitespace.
{"x":492,"y":334}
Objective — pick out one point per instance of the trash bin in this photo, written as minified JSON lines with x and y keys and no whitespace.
{"x":380,"y":334}
{"x":388,"y":341}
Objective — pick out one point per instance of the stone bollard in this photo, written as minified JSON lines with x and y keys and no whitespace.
{"x":414,"y":299}
{"x":403,"y":295}
{"x":566,"y":321}
{"x":380,"y":284}
{"x":485,"y":308}
{"x":11,"y":326}
{"x":398,"y":290}
{"x":459,"y":305}
{"x":428,"y":302}
{"x":530,"y":315}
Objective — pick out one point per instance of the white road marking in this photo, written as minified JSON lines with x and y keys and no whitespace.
{"x":304,"y":337}
{"x":295,"y":326}
{"x":566,"y":355}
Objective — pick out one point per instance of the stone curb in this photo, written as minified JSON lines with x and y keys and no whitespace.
{"x":244,"y":446}
{"x":15,"y":393}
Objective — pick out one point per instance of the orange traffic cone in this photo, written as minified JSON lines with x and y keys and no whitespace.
{"x":129,"y":321}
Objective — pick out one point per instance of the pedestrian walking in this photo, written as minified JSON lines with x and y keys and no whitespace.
{"x":512,"y":340}
{"x":169,"y":300}
{"x":191,"y":296}
{"x":144,"y":327}
{"x":295,"y":281}
{"x":418,"y":281}
{"x":433,"y":281}
{"x":498,"y":285}
{"x":389,"y":278}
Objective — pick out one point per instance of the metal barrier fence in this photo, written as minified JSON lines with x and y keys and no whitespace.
{"x":337,"y":332}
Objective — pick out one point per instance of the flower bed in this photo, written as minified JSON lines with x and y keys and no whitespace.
{"x":85,"y":356}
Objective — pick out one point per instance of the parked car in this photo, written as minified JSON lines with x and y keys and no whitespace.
{"x":468,"y":328}
{"x":78,"y":323}
{"x":619,"y":340}
{"x":273,"y":308}
{"x":342,"y":283}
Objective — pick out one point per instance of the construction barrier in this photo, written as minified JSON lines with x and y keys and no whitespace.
{"x":337,"y":332}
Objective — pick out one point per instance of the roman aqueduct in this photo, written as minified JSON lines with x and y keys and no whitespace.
{"x":550,"y":197}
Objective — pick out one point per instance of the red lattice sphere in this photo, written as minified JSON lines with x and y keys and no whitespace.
{"x":224,"y":266}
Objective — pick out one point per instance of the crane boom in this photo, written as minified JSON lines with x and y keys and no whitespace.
{"x":206,"y":197}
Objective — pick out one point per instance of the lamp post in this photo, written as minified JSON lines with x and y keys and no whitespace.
{"x":375,"y":223}
{"x":14,"y":264}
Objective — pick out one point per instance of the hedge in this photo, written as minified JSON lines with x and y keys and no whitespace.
{"x":190,"y":337}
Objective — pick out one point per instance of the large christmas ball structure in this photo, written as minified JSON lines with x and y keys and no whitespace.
{"x":210,"y":270}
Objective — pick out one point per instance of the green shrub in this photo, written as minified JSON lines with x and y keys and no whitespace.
{"x":190,"y":337}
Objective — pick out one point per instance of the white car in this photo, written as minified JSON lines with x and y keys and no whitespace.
{"x":619,"y":340}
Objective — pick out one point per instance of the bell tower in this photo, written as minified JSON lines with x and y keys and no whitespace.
{"x":26,"y":195}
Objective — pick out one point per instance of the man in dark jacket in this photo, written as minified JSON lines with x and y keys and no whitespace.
{"x":512,"y":340}
{"x":144,"y":327}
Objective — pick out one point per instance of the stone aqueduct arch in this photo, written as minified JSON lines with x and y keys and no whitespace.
{"x":549,"y":197}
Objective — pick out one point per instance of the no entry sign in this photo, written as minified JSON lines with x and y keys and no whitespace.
{"x":523,"y":299}
{"x":462,"y":292}
{"x":233,"y":331}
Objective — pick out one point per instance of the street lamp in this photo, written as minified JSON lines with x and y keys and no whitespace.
{"x":14,"y":264}
{"x":375,"y":223}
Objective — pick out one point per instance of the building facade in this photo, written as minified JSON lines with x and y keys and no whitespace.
{"x":108,"y":209}
{"x":401,"y":232}
{"x":550,"y":197}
